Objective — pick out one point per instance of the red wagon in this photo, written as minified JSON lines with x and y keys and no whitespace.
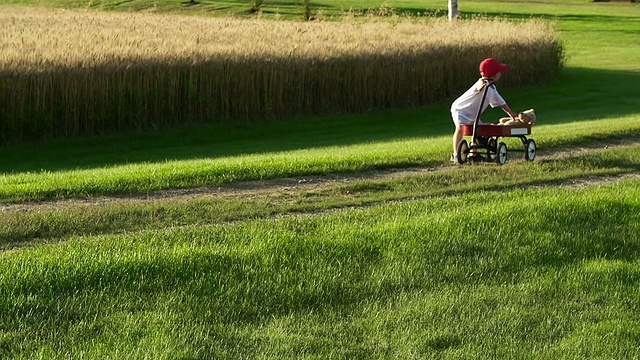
{"x":484,"y":145}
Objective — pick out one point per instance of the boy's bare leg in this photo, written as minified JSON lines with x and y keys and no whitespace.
{"x":457,"y":136}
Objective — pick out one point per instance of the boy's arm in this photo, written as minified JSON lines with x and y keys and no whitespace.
{"x":508,"y":110}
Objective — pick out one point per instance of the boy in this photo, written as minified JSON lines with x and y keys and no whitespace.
{"x":465,"y":108}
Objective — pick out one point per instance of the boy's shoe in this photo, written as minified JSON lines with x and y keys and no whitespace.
{"x":454,"y":159}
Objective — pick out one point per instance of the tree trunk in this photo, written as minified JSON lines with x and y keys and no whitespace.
{"x":453,"y":10}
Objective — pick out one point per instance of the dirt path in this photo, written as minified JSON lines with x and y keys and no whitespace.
{"x":263,"y":188}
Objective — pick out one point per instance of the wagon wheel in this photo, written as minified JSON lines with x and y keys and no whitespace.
{"x":502,"y":153}
{"x":493,"y":149}
{"x":530,"y":150}
{"x":463,"y":151}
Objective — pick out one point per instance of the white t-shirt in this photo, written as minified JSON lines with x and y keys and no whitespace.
{"x":465,"y":108}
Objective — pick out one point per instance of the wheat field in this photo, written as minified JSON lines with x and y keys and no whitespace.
{"x":68,"y":73}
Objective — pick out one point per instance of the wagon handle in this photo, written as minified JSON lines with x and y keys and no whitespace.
{"x":488,"y":83}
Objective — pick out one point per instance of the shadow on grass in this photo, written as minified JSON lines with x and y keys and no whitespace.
{"x":579,"y":94}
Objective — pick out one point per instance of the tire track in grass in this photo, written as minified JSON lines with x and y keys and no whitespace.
{"x":280,"y":194}
{"x":249,"y":189}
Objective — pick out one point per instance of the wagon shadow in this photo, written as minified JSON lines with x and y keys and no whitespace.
{"x":579,"y":94}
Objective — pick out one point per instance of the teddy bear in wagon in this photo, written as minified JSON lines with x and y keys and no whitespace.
{"x":525,"y":117}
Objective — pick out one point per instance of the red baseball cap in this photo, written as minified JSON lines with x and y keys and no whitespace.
{"x":491,"y":66}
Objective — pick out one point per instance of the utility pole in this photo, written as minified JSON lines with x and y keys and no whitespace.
{"x":453,"y":10}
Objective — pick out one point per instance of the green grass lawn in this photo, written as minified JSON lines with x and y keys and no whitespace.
{"x":549,"y":273}
{"x":468,"y":262}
